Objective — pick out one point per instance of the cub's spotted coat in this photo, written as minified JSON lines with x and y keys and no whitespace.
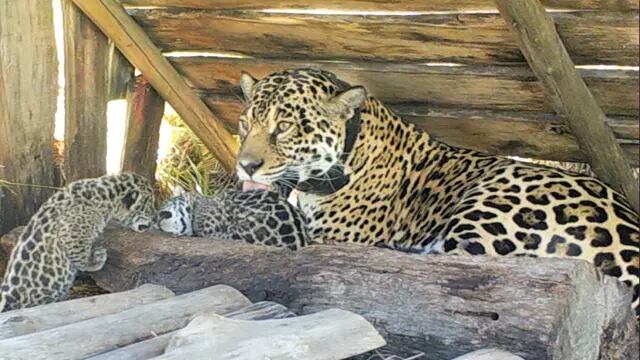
{"x":401,"y":188}
{"x":61,"y":238}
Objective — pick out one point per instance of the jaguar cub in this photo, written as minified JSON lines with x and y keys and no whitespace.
{"x":61,"y":238}
{"x":256,"y":217}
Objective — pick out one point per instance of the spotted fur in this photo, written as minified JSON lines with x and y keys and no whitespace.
{"x":62,"y":237}
{"x":257,"y":217}
{"x":408,"y":191}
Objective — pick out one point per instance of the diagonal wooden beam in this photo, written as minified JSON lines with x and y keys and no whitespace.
{"x":136,"y":46}
{"x":549,"y":60}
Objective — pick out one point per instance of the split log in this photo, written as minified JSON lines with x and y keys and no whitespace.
{"x":155,"y":346}
{"x":444,"y":306}
{"x":98,"y":335}
{"x":327,"y":335}
{"x":40,"y":318}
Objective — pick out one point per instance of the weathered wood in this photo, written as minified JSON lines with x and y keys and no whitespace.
{"x":489,"y":354}
{"x":461,"y":38}
{"x":444,"y":306}
{"x":155,"y":346}
{"x":552,"y":64}
{"x":379,"y":5}
{"x":86,"y":53}
{"x":40,"y":318}
{"x":466,"y":87}
{"x":28,"y":91}
{"x":326,"y":335}
{"x":526,"y":134}
{"x":120,"y":73}
{"x":131,"y":40}
{"x":144,"y":116}
{"x":97,"y":335}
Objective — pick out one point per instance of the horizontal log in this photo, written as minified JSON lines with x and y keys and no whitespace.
{"x":40,"y":318}
{"x":155,"y":346}
{"x":330,"y":334}
{"x":97,"y":335}
{"x":591,"y":37}
{"x":468,"y":87}
{"x":525,"y":134}
{"x":444,"y":306}
{"x":379,"y":5}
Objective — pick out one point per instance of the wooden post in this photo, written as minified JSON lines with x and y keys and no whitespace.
{"x":144,"y":115}
{"x":549,"y":60}
{"x":132,"y":41}
{"x":86,"y":95}
{"x":120,"y":73}
{"x":28,"y":91}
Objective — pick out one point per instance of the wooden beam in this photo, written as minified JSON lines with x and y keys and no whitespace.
{"x":86,"y":52}
{"x":111,"y":18}
{"x":144,"y":116}
{"x":549,"y":60}
{"x":120,"y":73}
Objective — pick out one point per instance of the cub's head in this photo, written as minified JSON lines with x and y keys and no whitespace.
{"x":136,"y":205}
{"x":294,"y":125}
{"x":175,"y":215}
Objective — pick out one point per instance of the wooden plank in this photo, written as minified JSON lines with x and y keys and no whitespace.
{"x":131,"y":40}
{"x":550,"y":61}
{"x":120,"y":73}
{"x":380,"y":5}
{"x":526,"y":134}
{"x":468,"y":87}
{"x":97,"y":335}
{"x":29,"y":320}
{"x":28,"y":91}
{"x":86,"y":53}
{"x":144,"y":116}
{"x":451,"y":305}
{"x":591,"y":37}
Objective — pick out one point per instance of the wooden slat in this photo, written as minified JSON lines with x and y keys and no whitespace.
{"x":591,"y":37}
{"x":534,"y":135}
{"x":142,"y":53}
{"x":381,"y":5}
{"x":477,"y":87}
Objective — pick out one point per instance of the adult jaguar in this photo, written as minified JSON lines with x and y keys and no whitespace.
{"x":365,"y":176}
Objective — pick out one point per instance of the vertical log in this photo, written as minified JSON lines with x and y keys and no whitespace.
{"x":569,"y":95}
{"x":86,"y":53}
{"x":120,"y":73}
{"x":28,"y":91}
{"x":144,"y":115}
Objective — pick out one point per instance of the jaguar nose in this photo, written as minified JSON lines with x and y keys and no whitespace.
{"x":164,"y":214}
{"x":251,"y":166}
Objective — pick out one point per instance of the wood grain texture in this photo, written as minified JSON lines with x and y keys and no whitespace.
{"x":144,"y":116}
{"x":134,"y":44}
{"x":527,"y":134}
{"x":120,"y":73}
{"x":591,"y":37}
{"x":86,"y":67}
{"x":570,"y":96}
{"x":28,"y":91}
{"x":466,"y":87}
{"x":444,"y":306}
{"x":380,"y":5}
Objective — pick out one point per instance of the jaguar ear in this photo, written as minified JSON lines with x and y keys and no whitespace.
{"x":348,"y":101}
{"x":246,"y":83}
{"x":129,"y":199}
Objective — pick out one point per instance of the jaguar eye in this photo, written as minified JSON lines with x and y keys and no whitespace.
{"x":284,"y":126}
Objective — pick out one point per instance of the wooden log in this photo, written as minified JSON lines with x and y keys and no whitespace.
{"x":132,"y":41}
{"x":552,"y":64}
{"x":444,"y":306}
{"x":86,"y":53}
{"x":534,"y":135}
{"x":155,"y":346}
{"x":97,"y":335}
{"x":466,"y":87}
{"x":377,"y":5}
{"x":40,"y":318}
{"x":467,"y":38}
{"x":326,"y":335}
{"x":120,"y":73}
{"x":144,"y":116}
{"x":28,"y":92}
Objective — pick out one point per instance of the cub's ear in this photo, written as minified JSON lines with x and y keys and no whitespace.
{"x":348,"y":101}
{"x":246,"y":83}
{"x":130,"y":199}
